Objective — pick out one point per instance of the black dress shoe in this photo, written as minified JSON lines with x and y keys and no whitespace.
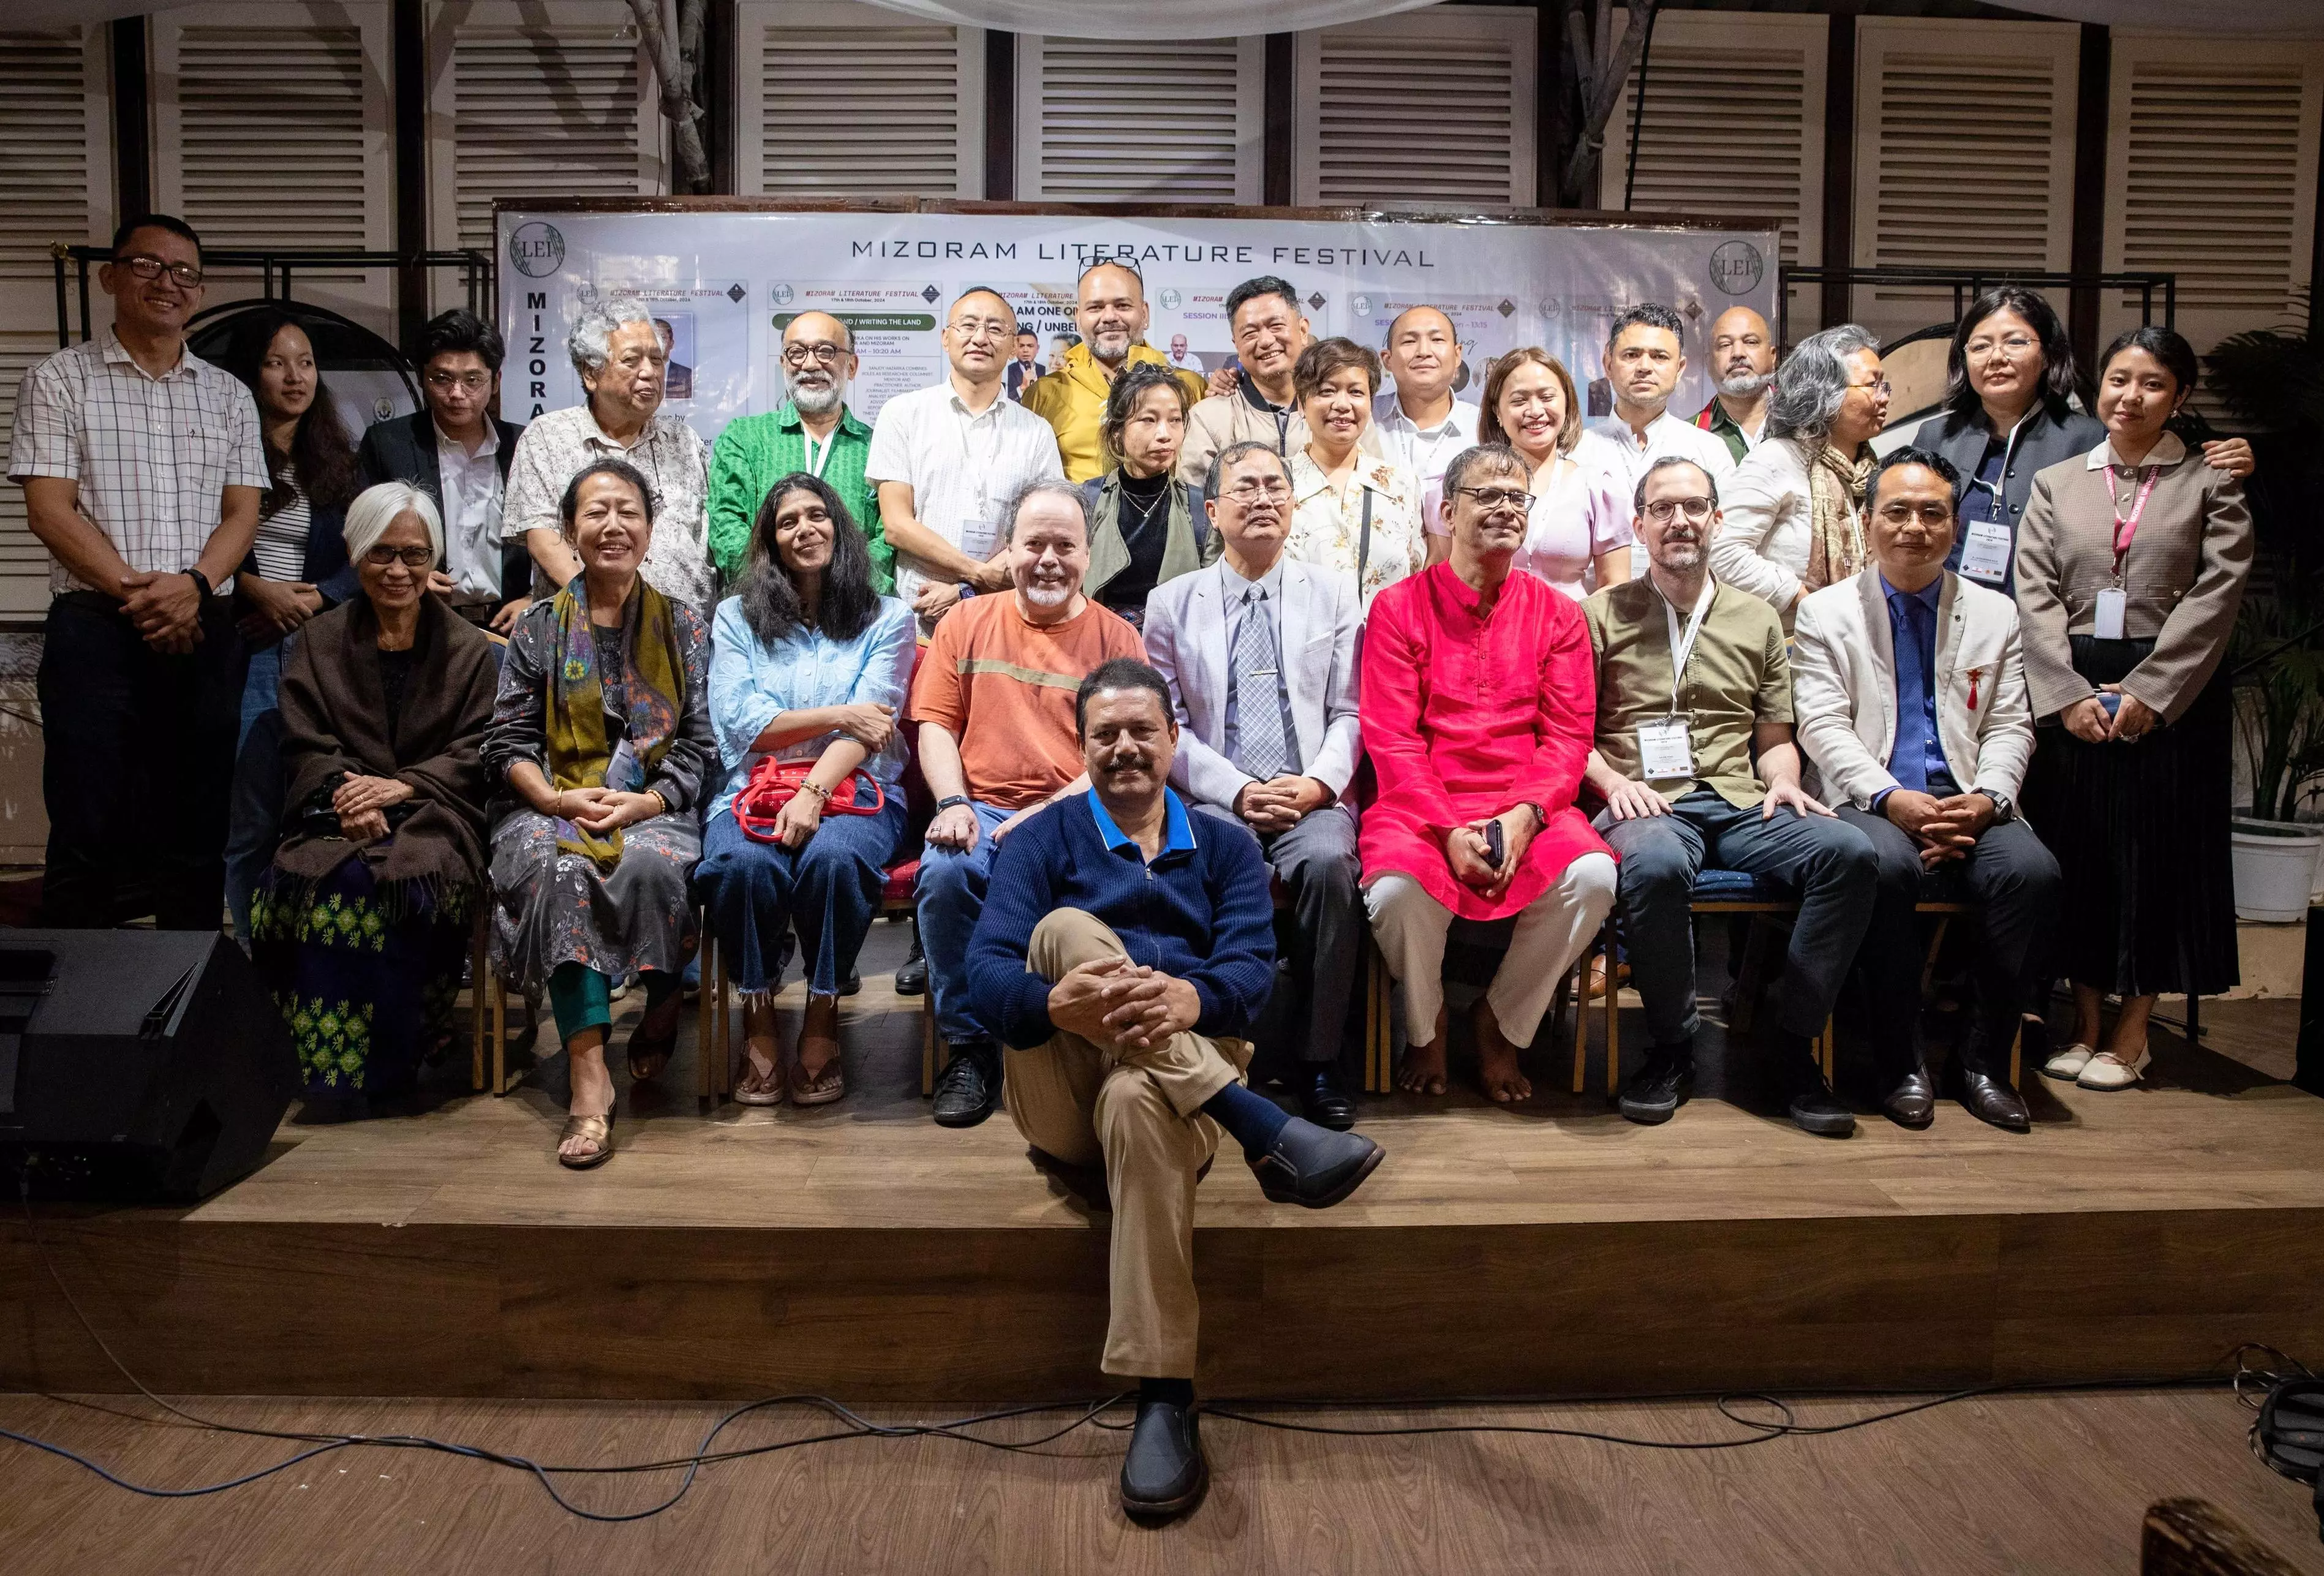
{"x":854,"y":984}
{"x":1164,"y":1472}
{"x":1913,"y":1102}
{"x":1322,"y":1102}
{"x":912,"y":977}
{"x":1989,"y":1099}
{"x":1314,"y":1166}
{"x":968,"y":1087}
{"x":1814,"y":1109}
{"x":1656,"y":1091}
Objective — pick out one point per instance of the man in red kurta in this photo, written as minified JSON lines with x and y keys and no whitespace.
{"x":1478,"y":704}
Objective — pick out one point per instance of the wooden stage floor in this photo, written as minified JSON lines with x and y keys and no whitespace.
{"x":858,"y":1250}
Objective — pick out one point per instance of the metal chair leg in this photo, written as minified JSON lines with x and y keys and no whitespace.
{"x":480,"y":969}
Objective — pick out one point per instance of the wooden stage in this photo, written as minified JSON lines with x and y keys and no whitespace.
{"x":860,"y":1251}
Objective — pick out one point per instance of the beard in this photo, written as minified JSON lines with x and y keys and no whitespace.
{"x":812,"y":401}
{"x":1680,"y":555}
{"x":1045,"y":595}
{"x":1745,"y":385}
{"x":1110,"y":344}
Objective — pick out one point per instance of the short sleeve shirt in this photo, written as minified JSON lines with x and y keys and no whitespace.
{"x":963,"y":467}
{"x":1738,"y":676}
{"x":153,"y":456}
{"x":673,"y":458}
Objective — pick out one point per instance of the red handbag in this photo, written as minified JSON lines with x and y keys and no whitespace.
{"x":773,"y":782}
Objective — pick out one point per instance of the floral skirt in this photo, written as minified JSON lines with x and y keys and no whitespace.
{"x":365,"y":983}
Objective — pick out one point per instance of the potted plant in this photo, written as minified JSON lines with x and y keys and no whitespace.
{"x":2277,"y":659}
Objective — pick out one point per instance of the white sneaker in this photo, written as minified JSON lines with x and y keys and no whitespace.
{"x":2066,"y":1065}
{"x":2105,"y":1072}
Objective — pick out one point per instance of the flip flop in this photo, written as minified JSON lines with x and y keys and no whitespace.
{"x":822,"y":1088}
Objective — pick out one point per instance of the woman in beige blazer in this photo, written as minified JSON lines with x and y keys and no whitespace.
{"x":2130,"y":568}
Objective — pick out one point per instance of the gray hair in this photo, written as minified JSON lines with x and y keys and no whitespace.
{"x":377,"y":508}
{"x":590,"y":344}
{"x":1044,"y":489}
{"x":1234,"y":453}
{"x":1812,"y":382}
{"x":1638,"y":494}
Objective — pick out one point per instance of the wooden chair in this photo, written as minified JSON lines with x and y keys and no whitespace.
{"x":482,"y":1024}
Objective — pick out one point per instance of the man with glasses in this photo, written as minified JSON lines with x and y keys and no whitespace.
{"x":1476,"y":715}
{"x":1259,"y":652}
{"x":1909,"y":685}
{"x":1743,"y":367}
{"x":142,"y":469}
{"x":946,"y":461}
{"x":1111,"y":313}
{"x":1696,"y":768}
{"x":813,"y":431}
{"x":455,"y":449}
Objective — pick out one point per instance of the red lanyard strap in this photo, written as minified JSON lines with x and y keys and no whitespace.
{"x":2125,"y":530}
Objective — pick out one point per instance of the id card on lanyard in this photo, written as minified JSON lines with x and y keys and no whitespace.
{"x":979,"y":533}
{"x":1987,"y":543}
{"x":1665,"y":751}
{"x":2108,"y":617}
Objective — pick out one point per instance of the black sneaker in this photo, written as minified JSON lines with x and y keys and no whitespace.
{"x":1164,"y":1472}
{"x":1315,"y":1167}
{"x":1656,"y":1091}
{"x":912,"y":978}
{"x":969,"y":1086}
{"x":1814,"y":1109}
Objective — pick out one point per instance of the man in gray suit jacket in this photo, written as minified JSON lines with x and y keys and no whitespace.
{"x":1260,"y":653}
{"x":1909,"y":692}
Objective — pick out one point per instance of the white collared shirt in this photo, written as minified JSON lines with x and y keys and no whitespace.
{"x":2168,"y":450}
{"x":472,"y":495}
{"x":1424,"y":451}
{"x":674,"y":459}
{"x":963,"y":467}
{"x":1610,"y":446}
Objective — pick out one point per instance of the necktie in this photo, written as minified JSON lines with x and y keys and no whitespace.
{"x":1908,"y":763}
{"x":1258,"y":707}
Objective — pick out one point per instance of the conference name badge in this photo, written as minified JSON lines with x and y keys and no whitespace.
{"x":1663,"y":753}
{"x":2109,"y":613}
{"x":1985,"y":556}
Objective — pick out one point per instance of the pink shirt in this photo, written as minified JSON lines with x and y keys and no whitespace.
{"x":1574,"y":519}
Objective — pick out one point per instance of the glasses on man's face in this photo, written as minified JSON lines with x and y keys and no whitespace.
{"x":1935,"y":516}
{"x":1662,"y":511}
{"x":800,"y":355}
{"x":971,"y":331}
{"x":2013,"y":346}
{"x":1492,"y":498}
{"x":184,"y":275}
{"x":472,"y":382}
{"x":1249,"y":492}
{"x":383,"y":555}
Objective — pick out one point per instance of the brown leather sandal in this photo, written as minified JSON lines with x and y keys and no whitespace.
{"x":596,"y":1129}
{"x":751,"y":1088}
{"x":821,"y":1031}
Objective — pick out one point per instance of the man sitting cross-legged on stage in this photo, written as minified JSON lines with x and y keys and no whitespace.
{"x":1904,"y":670}
{"x":1691,"y":678}
{"x":1125,"y":946}
{"x":993,"y":699}
{"x":1476,"y":713}
{"x":1260,"y":653}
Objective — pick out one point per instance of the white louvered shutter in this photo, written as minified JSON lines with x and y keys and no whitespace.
{"x":1733,"y":124}
{"x":1964,"y":155}
{"x":2211,"y":151}
{"x":56,"y":184}
{"x":533,"y":98}
{"x":1100,"y":121}
{"x":272,"y":127}
{"x":1429,"y":106}
{"x":847,"y":100}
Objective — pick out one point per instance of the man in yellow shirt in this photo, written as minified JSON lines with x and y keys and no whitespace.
{"x":1109,"y":310}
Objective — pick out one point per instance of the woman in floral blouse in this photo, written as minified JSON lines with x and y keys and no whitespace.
{"x":1350,"y":511}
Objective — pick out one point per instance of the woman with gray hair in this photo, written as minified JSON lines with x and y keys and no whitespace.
{"x":361,"y":924}
{"x":622,"y":360}
{"x":1793,"y":514}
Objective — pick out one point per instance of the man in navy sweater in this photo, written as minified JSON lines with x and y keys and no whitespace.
{"x":1121,"y":956}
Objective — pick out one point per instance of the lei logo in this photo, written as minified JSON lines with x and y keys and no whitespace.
{"x":1737,"y":267}
{"x":537,"y":251}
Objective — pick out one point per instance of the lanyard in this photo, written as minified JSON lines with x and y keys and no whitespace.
{"x":819,"y":458}
{"x":982,"y":479}
{"x":2008,"y":454}
{"x":2127,"y":530}
{"x":1682,"y":647}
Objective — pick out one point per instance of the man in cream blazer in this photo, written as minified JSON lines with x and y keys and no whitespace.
{"x":1909,"y":689}
{"x":1260,"y":653}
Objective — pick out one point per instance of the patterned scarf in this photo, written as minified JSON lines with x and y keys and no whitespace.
{"x":654,"y":688}
{"x":1836,"y":491}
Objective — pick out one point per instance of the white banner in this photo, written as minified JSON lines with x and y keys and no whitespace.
{"x":726,"y":284}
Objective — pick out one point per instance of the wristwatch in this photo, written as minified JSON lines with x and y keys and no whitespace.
{"x":2005,"y":808}
{"x":1540,"y":816}
{"x":201,"y":580}
{"x":943,"y":804}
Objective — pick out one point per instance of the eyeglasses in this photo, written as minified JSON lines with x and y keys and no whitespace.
{"x":2016,"y":344}
{"x":1663,"y":509}
{"x":1878,"y":386}
{"x":474,"y":383}
{"x":974,"y":329}
{"x":151,"y":268}
{"x":1489,"y":498}
{"x":800,"y":355}
{"x":382,"y":556}
{"x":1935,"y":516}
{"x":1251,"y":491}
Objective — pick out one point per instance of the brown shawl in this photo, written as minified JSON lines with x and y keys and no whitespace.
{"x":1836,"y":486}
{"x":335,"y":723}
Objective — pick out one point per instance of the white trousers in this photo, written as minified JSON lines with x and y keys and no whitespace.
{"x":1551,"y":931}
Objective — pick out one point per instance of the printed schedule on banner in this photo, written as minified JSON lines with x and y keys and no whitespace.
{"x":727,"y":284}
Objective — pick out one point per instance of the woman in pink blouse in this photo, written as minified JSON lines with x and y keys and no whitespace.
{"x":1578,"y":536}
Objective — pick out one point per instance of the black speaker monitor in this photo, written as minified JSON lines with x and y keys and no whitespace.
{"x":137,"y":1062}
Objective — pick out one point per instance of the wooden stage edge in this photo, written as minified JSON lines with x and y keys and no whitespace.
{"x":857,"y":1250}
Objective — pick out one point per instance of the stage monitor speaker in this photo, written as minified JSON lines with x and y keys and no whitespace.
{"x":136,"y":1063}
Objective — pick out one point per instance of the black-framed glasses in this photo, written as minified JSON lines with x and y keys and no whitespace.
{"x":383,"y":556}
{"x":150,"y":268}
{"x":1662,"y":510}
{"x":1498,"y":497}
{"x":474,"y":383}
{"x":800,"y":355}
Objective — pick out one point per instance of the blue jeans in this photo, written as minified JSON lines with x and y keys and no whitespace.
{"x":255,"y":821}
{"x":951,"y":895}
{"x":828,"y":890}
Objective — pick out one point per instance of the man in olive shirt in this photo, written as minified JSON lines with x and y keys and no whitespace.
{"x":1673,"y":765}
{"x":813,"y":431}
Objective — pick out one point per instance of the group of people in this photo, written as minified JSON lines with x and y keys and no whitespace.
{"x":1195,"y":674}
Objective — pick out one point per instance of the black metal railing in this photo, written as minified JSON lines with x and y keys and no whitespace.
{"x":276,"y":265}
{"x":1966,"y":283}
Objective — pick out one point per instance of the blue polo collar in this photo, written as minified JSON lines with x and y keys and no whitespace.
{"x":1179,"y":826}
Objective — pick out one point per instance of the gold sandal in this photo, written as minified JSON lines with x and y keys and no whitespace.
{"x":822,"y":1088}
{"x":752,"y":1088}
{"x":597,"y":1130}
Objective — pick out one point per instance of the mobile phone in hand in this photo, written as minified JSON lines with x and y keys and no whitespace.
{"x":2111,"y":700}
{"x":1497,"y":848}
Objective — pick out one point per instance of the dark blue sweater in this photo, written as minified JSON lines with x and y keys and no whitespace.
{"x":1202,"y":912}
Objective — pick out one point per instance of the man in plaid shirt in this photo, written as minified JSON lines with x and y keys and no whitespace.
{"x":142,"y":470}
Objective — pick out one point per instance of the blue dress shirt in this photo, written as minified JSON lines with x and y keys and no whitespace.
{"x":752,"y":684}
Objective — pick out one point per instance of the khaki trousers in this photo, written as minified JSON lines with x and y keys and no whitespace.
{"x":1550,"y":933}
{"x":1137,"y":1112}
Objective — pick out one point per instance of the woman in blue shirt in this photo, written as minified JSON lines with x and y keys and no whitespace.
{"x":810,"y":665}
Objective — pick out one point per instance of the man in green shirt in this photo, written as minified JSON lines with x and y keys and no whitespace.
{"x":813,"y":431}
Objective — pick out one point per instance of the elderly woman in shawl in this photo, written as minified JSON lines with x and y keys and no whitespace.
{"x":602,"y":736}
{"x":1793,"y":514}
{"x":362,"y":924}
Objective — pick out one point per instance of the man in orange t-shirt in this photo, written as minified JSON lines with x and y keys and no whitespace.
{"x":994,"y":703}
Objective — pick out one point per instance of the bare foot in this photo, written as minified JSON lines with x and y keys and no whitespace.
{"x":1497,"y":1059}
{"x":593,"y":1094}
{"x":1422,"y":1071}
{"x":818,"y":1042}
